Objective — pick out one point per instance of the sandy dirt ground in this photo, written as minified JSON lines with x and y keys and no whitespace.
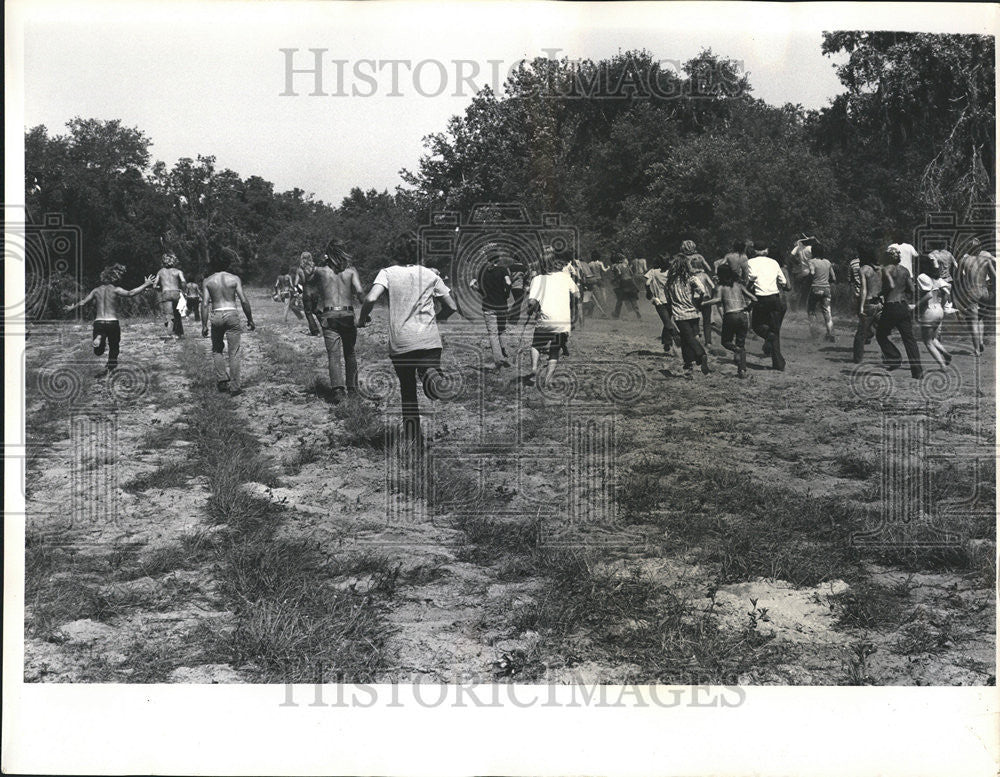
{"x":619,"y":457}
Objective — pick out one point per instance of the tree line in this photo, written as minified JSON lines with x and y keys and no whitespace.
{"x":635,"y":171}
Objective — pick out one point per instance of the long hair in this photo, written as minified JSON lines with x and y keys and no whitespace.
{"x":337,"y":256}
{"x":679,"y":270}
{"x":112,"y":273}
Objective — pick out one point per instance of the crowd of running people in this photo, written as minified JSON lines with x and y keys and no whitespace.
{"x":557,"y":292}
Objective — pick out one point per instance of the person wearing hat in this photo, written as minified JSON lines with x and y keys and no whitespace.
{"x":170,"y":281}
{"x":930,"y":309}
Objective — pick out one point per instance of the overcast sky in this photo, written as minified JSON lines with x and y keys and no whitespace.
{"x":208,"y":79}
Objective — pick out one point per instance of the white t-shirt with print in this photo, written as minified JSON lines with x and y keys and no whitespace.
{"x":553,"y":292}
{"x":412,"y":289}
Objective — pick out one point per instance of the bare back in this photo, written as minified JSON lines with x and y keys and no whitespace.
{"x":902,"y":283}
{"x":334,"y":289}
{"x":222,"y":290}
{"x":169,"y":279}
{"x":106,"y":298}
{"x":976,"y":273}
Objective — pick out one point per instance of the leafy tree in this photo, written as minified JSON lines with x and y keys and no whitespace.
{"x":916,"y":126}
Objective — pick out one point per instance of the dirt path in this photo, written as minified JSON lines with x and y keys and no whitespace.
{"x":665,"y":494}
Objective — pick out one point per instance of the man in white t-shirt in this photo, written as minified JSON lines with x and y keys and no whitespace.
{"x":549,"y":301}
{"x":414,"y":341}
{"x":767,"y":281}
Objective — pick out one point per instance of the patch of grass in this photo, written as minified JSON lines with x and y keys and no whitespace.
{"x":61,"y":601}
{"x":290,"y":616}
{"x":586,"y":610}
{"x":161,"y":436}
{"x":856,"y":669}
{"x":363,"y":424}
{"x":869,"y":606}
{"x":163,"y":560}
{"x":174,"y":474}
{"x":857,"y":464}
{"x":638,"y":491}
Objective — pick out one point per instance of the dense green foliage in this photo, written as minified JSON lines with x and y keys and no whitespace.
{"x":637,"y":156}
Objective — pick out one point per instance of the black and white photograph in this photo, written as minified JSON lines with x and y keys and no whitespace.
{"x":543,"y":372}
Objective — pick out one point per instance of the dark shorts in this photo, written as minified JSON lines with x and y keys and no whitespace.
{"x":551,"y":342}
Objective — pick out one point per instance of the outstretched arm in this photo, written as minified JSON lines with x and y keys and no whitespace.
{"x":245,"y":303}
{"x":366,"y":309}
{"x":150,"y":280}
{"x":81,"y":303}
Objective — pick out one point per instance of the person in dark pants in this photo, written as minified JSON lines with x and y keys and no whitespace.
{"x":656,"y":292}
{"x":683,"y":294}
{"x":626,"y":290}
{"x":493,"y":286}
{"x":734,"y":297}
{"x":519,"y":280}
{"x":869,"y":305}
{"x":767,"y":281}
{"x":414,"y":340}
{"x":330,"y":290}
{"x":107,"y":331}
{"x":192,"y":295}
{"x":897,"y":290}
{"x":170,"y":280}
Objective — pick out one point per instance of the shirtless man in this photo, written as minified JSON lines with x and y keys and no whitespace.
{"x":171,"y":282}
{"x":192,"y":293}
{"x":897,"y":291}
{"x":219,"y":295}
{"x":329,"y":292}
{"x":975,"y":290}
{"x":107,"y":330}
